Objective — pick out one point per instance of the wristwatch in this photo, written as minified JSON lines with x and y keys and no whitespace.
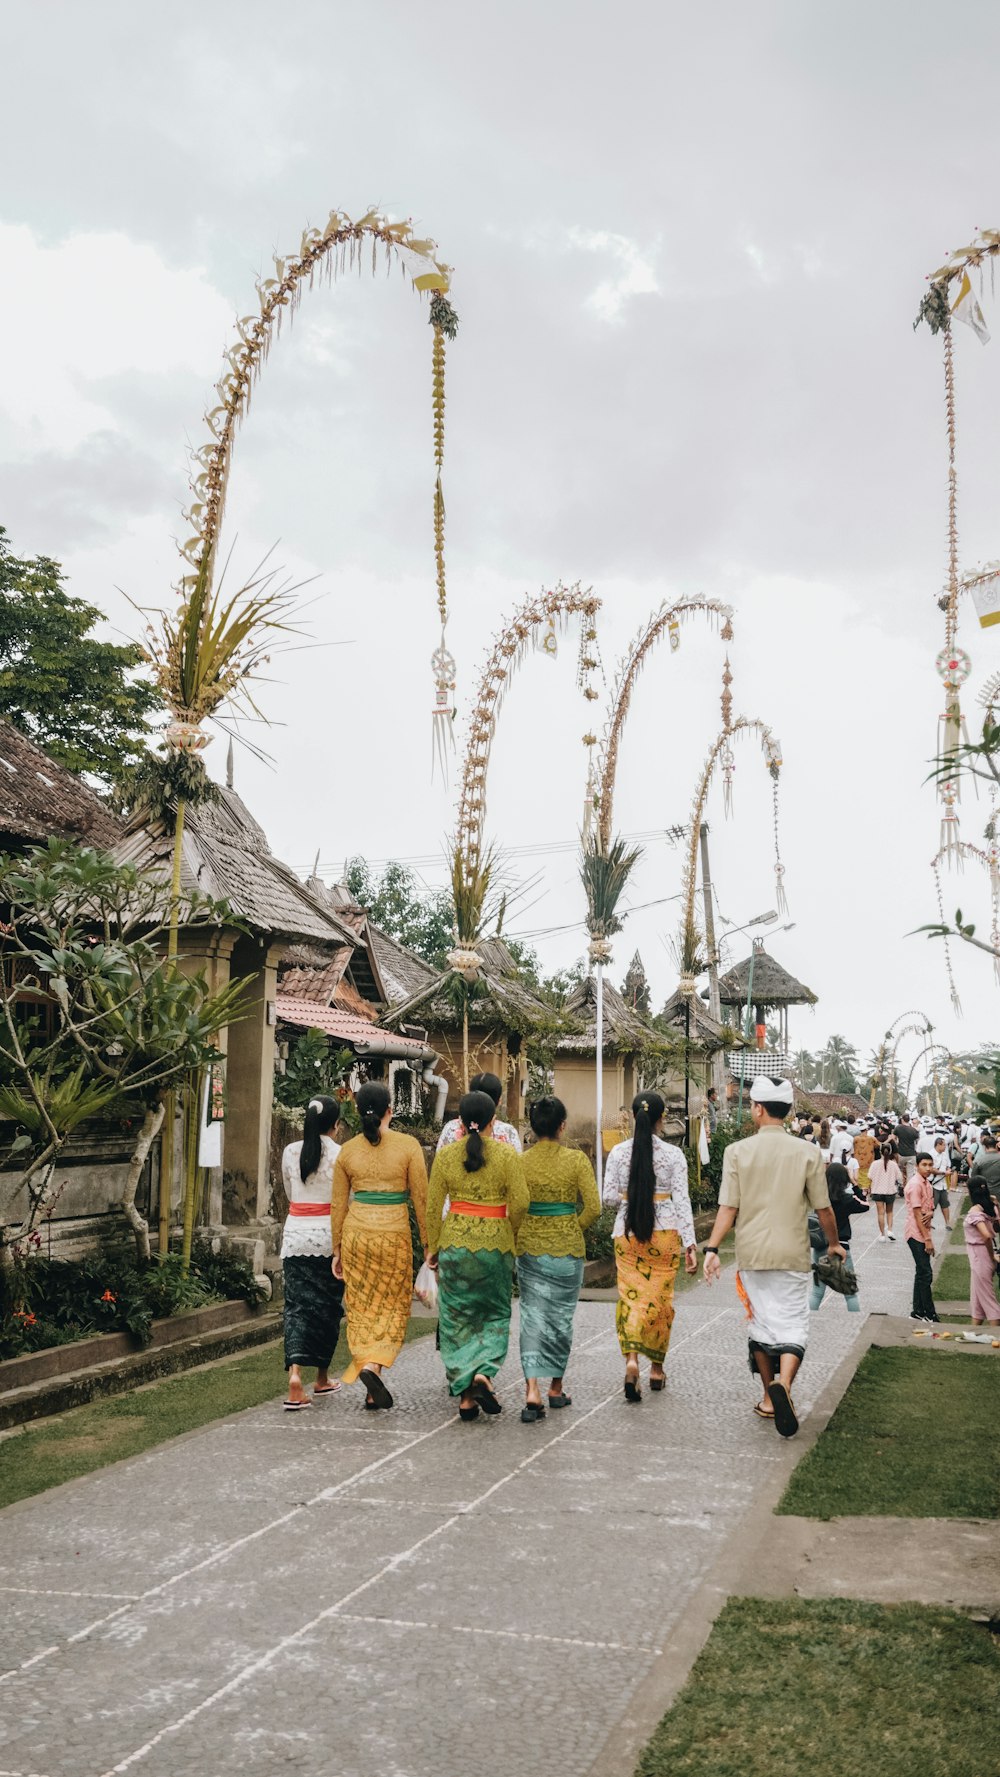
{"x":711,"y":1249}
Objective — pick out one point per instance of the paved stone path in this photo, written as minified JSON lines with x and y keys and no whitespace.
{"x":393,"y":1595}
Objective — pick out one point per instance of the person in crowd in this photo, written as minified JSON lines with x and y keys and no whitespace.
{"x":865,"y":1151}
{"x":886,"y":1183}
{"x":918,"y":1196}
{"x":712,"y":1110}
{"x":807,"y":1131}
{"x":472,"y":1248}
{"x":377,"y":1174}
{"x":956,"y":1157}
{"x":647,"y":1179}
{"x":907,"y":1136}
{"x":845,"y":1203}
{"x":824,"y":1141}
{"x":980,"y":1227}
{"x":455,"y":1130}
{"x":563,"y":1201}
{"x":986,"y":1165}
{"x":940,"y":1178}
{"x":770,"y":1182}
{"x":313,"y":1296}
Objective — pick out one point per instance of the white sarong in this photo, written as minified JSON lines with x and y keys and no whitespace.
{"x":777,"y":1305}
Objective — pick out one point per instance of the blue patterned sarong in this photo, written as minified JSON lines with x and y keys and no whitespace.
{"x":550,"y":1290}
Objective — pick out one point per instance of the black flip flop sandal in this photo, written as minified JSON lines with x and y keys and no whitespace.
{"x":380,"y":1396}
{"x":633,"y":1392}
{"x":786,"y":1421}
{"x":468,"y":1414}
{"x":483,"y":1394}
{"x":530,"y":1414}
{"x":559,"y":1400}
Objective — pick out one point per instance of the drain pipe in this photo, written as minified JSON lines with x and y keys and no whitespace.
{"x":440,"y":1084}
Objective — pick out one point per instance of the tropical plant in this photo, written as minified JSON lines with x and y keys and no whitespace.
{"x":313,"y":1066}
{"x":92,"y":1018}
{"x":604,"y":871}
{"x":838,"y":1066}
{"x":60,"y":686}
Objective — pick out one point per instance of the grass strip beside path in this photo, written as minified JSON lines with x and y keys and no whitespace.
{"x":915,"y":1436}
{"x":51,"y":1451}
{"x":954,"y":1280}
{"x":831,"y":1686}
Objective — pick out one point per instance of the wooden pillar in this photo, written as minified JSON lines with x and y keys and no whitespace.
{"x":250,"y":1080}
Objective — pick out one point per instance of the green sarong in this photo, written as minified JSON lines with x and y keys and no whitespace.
{"x":473,"y":1313}
{"x":550,"y":1289}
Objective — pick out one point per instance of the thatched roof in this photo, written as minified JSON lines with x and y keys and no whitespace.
{"x":403,"y":973}
{"x":772,"y":985}
{"x":502,"y":1002}
{"x":706,"y":1032}
{"x":225,"y":854}
{"x":625,"y":1031}
{"x":40,"y":800}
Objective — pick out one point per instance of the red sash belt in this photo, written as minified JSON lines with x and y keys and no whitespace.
{"x":499,"y":1210}
{"x":308,"y":1209}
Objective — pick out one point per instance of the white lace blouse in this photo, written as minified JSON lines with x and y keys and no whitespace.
{"x":672,"y":1200}
{"x":308,"y":1237}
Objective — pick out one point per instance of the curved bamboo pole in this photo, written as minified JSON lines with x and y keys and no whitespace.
{"x":909,"y":1029}
{"x":930,"y":1049}
{"x":959,"y":850}
{"x":667,"y":619}
{"x":772,"y":756}
{"x":550,"y":609}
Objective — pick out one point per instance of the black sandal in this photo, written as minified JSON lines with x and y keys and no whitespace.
{"x":483,"y":1393}
{"x":468,"y":1413}
{"x":633,"y":1392}
{"x":531,"y":1412}
{"x":786,"y":1422}
{"x":560,"y":1400}
{"x":379,"y":1395}
{"x":657,"y":1383}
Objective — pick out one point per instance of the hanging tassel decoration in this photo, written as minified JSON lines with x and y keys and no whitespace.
{"x":443,"y":725}
{"x":956,"y":1004}
{"x":444,"y":323}
{"x":781,"y":899}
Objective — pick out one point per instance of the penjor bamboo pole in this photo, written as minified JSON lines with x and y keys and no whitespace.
{"x":599,"y":1102}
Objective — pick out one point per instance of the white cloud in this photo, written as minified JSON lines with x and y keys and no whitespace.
{"x":636,"y":278}
{"x":91,"y":307}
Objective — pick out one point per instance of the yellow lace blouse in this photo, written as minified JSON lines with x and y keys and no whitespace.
{"x":500,"y":1180}
{"x":558,"y":1175}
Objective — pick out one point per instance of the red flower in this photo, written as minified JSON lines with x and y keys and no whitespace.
{"x":108,"y":1297}
{"x":26,"y":1319}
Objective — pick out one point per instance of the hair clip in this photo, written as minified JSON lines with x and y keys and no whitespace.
{"x":645,"y":1107}
{"x":474,"y":1126}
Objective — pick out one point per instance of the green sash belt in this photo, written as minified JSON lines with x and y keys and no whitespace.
{"x":552,"y":1209}
{"x":381,"y":1196}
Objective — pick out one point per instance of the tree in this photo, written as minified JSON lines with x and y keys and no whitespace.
{"x":838,"y":1065}
{"x":92,"y":1018}
{"x":59,"y":686}
{"x":394,"y":903}
{"x":805,"y":1069}
{"x":313,"y":1066}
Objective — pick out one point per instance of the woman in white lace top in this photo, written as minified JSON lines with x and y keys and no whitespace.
{"x":313,"y":1296}
{"x":505,"y":1132}
{"x":647,"y":1178}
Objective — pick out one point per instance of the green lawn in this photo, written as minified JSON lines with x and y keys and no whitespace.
{"x":916,"y":1435}
{"x":796,"y":1686}
{"x":953,"y":1282}
{"x":76,"y":1443}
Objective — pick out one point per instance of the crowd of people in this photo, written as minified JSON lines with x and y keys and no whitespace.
{"x":490,"y":1213}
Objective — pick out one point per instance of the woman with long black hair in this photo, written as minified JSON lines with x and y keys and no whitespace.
{"x":647,"y":1178}
{"x":472,"y":1248}
{"x":313,"y":1296}
{"x":380,"y":1171}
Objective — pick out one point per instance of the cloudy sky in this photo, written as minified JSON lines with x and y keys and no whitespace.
{"x":688,"y":246}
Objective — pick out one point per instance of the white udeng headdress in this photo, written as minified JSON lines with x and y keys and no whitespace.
{"x":767,"y":1091}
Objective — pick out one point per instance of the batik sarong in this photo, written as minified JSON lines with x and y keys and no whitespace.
{"x":377,"y":1262}
{"x":313,"y":1310}
{"x":549,"y":1289}
{"x":777,"y":1308}
{"x":646,"y":1273}
{"x":473,"y":1312}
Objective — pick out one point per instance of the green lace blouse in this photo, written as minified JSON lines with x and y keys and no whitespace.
{"x":500,"y":1180}
{"x":558,"y":1175}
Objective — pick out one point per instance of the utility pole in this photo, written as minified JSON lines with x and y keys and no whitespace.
{"x":714,"y":1002}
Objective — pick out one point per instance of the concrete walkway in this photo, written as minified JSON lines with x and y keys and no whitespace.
{"x":395,"y":1595}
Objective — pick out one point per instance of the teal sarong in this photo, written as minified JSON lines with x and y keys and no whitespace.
{"x":473,"y":1312}
{"x":549,"y":1289}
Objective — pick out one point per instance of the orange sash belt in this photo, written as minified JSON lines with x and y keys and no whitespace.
{"x":308,"y":1209}
{"x":499,"y":1210}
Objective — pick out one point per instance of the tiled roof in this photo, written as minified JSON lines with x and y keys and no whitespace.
{"x":344,"y":1027}
{"x":225,"y":854}
{"x":41,"y":800}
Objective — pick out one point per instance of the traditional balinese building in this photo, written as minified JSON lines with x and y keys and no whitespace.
{"x":40,"y":800}
{"x":633,"y":1049}
{"x":700,"y":1037}
{"x":760,"y":985}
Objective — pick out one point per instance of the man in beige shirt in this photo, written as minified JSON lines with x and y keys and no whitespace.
{"x":770,"y":1182}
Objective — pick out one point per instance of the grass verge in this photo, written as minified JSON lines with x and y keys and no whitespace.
{"x":953,"y":1282}
{"x":784,"y":1687}
{"x":88,"y":1438}
{"x":915,"y":1436}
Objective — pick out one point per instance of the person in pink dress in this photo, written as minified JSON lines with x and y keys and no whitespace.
{"x":979,"y":1230}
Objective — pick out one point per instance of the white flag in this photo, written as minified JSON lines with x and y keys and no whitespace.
{"x":703,"y":1149}
{"x":966,"y":308}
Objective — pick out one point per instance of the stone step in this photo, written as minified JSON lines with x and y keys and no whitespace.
{"x":57,"y":1393}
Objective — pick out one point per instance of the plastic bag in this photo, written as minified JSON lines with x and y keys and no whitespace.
{"x":425,"y":1287}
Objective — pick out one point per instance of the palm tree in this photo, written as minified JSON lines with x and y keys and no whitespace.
{"x":839,"y":1065}
{"x":804,"y":1068}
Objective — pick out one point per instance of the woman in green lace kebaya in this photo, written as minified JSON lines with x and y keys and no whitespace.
{"x":563,"y":1201}
{"x":473,"y":1250}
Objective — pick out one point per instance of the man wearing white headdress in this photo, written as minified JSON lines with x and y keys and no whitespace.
{"x":770,"y":1182}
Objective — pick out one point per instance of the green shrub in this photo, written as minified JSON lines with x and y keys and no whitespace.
{"x":598,"y":1239}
